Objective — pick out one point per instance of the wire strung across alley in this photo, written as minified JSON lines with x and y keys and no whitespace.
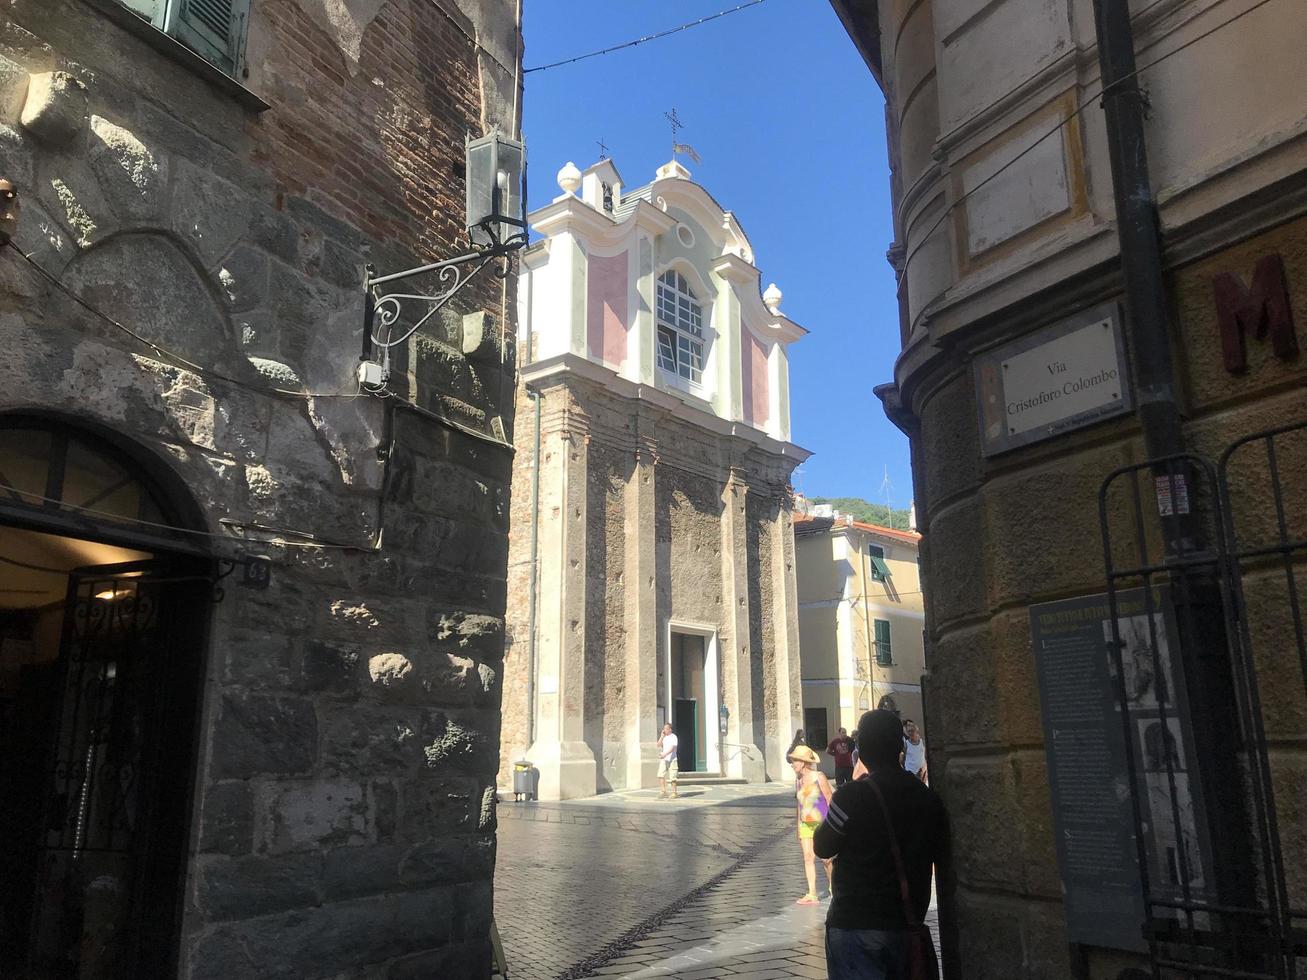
{"x":309,"y":540}
{"x":641,"y":40}
{"x":171,"y":357}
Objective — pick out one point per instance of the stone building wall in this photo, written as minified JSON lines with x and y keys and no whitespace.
{"x":344,"y":801}
{"x":988,"y":744}
{"x":649,"y":473}
{"x":981,"y":262}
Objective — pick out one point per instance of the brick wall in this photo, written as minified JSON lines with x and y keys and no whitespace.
{"x":344,"y":807}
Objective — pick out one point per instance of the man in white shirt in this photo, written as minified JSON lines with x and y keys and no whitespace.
{"x":914,"y":750}
{"x":666,"y":762}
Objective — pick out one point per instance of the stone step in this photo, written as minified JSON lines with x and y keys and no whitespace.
{"x":711,"y":779}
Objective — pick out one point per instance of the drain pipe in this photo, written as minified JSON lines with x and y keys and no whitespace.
{"x":1138,"y":231}
{"x":534,"y":395}
{"x":866,"y":617}
{"x":1213,"y":708}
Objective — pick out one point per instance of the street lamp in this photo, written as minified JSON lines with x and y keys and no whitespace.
{"x":496,"y":190}
{"x":496,"y":228}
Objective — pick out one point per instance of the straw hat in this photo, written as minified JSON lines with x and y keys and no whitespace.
{"x":802,"y":753}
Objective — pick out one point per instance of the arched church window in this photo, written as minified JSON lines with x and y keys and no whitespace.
{"x":680,"y":328}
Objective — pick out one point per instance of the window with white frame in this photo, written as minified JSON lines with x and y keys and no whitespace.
{"x":680,"y":328}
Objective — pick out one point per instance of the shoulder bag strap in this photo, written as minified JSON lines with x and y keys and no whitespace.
{"x":904,"y":891}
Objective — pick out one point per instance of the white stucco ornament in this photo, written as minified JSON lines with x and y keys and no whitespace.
{"x":772,"y":297}
{"x":569,"y":178}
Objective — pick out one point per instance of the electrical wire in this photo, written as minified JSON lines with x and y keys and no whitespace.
{"x":641,"y":40}
{"x":1081,"y":107}
{"x":174,"y":359}
{"x":33,"y":568}
{"x":312,"y":541}
{"x":475,"y":43}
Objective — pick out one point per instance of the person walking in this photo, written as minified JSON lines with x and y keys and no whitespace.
{"x":885,"y":832}
{"x":841,"y":749}
{"x":812,"y":792}
{"x":666,"y":762}
{"x":914,"y":749}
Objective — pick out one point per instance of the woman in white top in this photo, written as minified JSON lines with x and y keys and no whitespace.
{"x":914,"y":750}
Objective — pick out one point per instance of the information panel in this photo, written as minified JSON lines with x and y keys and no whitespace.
{"x":1093,"y":821}
{"x":1086,"y":742}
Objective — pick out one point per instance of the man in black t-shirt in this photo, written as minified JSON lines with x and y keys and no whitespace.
{"x":841,"y":750}
{"x":868,"y":925}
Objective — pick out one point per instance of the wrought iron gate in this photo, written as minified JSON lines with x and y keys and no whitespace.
{"x":110,"y":844}
{"x":1202,"y":610}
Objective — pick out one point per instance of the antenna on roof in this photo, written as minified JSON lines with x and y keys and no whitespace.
{"x":887,"y":489}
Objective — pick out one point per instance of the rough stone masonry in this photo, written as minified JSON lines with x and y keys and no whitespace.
{"x":342,"y":821}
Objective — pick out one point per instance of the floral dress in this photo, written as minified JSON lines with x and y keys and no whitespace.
{"x":812,"y":806}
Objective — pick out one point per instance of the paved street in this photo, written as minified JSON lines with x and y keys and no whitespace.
{"x":626,"y":885}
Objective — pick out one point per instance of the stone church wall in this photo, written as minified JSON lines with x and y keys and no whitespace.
{"x":344,"y":807}
{"x":692,"y":575}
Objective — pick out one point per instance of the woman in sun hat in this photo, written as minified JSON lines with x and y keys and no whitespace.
{"x":812,"y":798}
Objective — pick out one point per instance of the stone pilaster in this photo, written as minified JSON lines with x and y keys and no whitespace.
{"x":785,"y":629}
{"x":641,"y":615}
{"x":743,"y":754}
{"x":566,"y":763}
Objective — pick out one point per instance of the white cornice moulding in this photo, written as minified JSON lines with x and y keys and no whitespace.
{"x":568,"y":363}
{"x":573,"y":216}
{"x":746,"y":279}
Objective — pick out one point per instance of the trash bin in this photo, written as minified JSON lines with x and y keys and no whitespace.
{"x":523,"y":781}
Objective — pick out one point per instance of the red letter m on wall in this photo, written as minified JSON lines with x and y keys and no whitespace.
{"x":1262,"y":310}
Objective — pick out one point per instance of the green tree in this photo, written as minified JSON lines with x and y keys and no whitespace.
{"x":868,"y":512}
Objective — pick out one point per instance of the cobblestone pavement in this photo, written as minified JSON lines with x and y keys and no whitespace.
{"x":627,"y":886}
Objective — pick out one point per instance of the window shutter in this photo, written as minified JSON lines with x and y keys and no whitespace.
{"x":883,"y":654}
{"x":213,"y":29}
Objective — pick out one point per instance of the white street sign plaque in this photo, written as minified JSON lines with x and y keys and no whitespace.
{"x":1060,"y":378}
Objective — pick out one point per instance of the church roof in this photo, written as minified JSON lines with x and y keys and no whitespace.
{"x":631,"y":198}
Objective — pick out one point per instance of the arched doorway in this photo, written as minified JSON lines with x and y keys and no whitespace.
{"x":103,"y":607}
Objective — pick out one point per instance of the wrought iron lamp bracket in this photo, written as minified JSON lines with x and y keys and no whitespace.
{"x":385,"y":308}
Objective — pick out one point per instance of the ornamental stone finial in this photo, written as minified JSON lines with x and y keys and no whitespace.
{"x":569,"y":178}
{"x":772,"y":298}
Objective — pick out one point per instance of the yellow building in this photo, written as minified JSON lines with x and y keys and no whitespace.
{"x":860,"y":622}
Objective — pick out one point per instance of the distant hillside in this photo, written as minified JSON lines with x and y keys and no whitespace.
{"x":866,"y":511}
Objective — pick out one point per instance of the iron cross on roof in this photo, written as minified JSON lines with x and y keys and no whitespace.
{"x":677,"y":147}
{"x":603,"y":148}
{"x":675,"y":120}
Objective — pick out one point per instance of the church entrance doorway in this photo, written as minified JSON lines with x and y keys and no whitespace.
{"x":103,"y":607}
{"x":693,"y":695}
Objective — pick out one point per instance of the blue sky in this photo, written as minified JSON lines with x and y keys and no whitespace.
{"x":790,"y":126}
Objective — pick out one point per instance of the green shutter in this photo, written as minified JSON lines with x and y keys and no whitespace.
{"x":879,"y":569}
{"x":213,"y":29}
{"x":883,"y":654}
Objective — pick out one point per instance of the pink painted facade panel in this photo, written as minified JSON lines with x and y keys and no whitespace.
{"x":754,"y":383}
{"x":606,"y":309}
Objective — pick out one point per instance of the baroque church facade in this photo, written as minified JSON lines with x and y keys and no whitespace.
{"x":651,"y":564}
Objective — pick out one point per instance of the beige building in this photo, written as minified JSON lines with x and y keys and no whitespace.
{"x":1029,"y":207}
{"x":860,"y":622}
{"x":651,"y":550}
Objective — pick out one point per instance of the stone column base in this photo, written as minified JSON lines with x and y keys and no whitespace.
{"x":746,"y":762}
{"x":567,"y":770}
{"x":642,"y":767}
